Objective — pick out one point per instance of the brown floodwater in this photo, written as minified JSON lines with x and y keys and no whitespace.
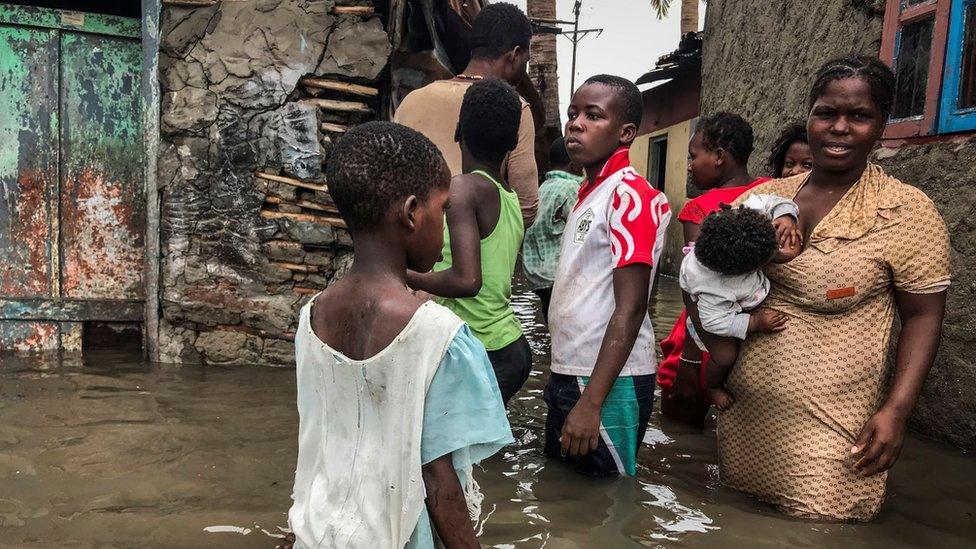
{"x":106,"y":451}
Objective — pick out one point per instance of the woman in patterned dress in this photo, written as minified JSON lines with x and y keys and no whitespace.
{"x":815,"y":427}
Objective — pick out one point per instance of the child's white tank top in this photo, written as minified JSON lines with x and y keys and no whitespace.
{"x":358,"y":480}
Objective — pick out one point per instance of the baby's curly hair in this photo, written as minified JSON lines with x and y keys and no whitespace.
{"x":376,"y":163}
{"x":736,"y":241}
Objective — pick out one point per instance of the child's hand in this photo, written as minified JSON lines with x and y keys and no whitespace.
{"x":788,"y":233}
{"x":721,"y":398}
{"x":767,"y":321}
{"x":581,"y":431}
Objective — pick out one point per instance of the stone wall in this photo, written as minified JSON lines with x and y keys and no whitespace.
{"x":253,"y":95}
{"x":759,"y":61}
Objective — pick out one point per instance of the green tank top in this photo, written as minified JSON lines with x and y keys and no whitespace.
{"x":490,"y":314}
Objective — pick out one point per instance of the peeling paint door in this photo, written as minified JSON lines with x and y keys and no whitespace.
{"x":72,"y":200}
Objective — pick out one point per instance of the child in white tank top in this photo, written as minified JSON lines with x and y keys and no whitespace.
{"x":396,"y":397}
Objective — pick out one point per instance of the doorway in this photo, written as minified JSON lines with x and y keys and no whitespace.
{"x":72,"y":195}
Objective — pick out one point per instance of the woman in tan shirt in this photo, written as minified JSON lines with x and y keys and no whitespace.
{"x":814,"y":427}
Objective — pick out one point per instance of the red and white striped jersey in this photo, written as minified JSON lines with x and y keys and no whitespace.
{"x":619,"y":219}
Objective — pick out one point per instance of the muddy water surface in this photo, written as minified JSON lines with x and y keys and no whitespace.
{"x":105,"y":451}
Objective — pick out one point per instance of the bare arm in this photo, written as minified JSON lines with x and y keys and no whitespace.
{"x":522,"y":170}
{"x":882,"y":436}
{"x":446,"y":505}
{"x":463,"y":278}
{"x":581,"y":431}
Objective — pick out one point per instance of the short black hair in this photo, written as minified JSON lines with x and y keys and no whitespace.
{"x":795,"y":132}
{"x":631,"y":102}
{"x":376,"y":163}
{"x":871,"y":69}
{"x":736,"y":241}
{"x":489,"y":121}
{"x":731,"y":132}
{"x":558,"y":155}
{"x":497,"y":30}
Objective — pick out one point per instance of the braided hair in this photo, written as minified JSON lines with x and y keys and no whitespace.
{"x":375,"y":164}
{"x":794,"y":133}
{"x":727,"y":131}
{"x":870,"y":69}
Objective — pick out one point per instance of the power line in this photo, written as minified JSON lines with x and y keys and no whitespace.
{"x":548,"y":26}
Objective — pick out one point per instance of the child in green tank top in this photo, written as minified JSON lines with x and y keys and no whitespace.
{"x":483,"y":234}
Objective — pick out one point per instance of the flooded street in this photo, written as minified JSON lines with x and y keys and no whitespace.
{"x":108,"y":452}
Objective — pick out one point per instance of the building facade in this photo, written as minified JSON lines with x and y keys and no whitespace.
{"x":660,"y":152}
{"x":759,"y":59}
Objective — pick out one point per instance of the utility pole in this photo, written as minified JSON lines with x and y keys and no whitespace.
{"x":576,"y":38}
{"x":544,"y":26}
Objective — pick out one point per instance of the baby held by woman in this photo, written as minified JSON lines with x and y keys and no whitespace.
{"x":722,"y":276}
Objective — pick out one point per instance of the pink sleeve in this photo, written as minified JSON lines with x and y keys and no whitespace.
{"x":635,"y":216}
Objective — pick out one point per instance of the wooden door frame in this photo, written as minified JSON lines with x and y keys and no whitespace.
{"x":151,"y":139}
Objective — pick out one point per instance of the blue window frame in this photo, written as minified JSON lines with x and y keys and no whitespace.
{"x":957,"y":111}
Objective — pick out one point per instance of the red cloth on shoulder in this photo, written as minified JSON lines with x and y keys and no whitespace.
{"x":697,"y":208}
{"x":694,"y":211}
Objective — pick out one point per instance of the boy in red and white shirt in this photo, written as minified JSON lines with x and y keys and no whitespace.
{"x":601,"y":390}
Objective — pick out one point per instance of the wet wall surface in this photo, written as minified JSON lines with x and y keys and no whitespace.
{"x":107,"y":451}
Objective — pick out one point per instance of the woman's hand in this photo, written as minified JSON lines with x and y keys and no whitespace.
{"x":880,"y":442}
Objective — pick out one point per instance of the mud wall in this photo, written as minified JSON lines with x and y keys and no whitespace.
{"x":780,"y":45}
{"x":252,"y":96}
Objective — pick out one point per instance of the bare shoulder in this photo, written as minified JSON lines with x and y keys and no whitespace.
{"x":470,"y":187}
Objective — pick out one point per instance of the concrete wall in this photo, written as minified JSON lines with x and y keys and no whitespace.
{"x":241,"y":252}
{"x":676,"y":177}
{"x":759,"y":61}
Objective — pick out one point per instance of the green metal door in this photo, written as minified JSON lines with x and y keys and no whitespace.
{"x":72,"y":200}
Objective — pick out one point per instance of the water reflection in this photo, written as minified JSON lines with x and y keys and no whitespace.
{"x":105,"y":451}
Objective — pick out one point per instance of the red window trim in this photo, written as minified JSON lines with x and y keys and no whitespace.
{"x":894,"y":19}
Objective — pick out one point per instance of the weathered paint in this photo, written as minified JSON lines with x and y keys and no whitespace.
{"x":28,"y":158}
{"x":150,"y":133}
{"x":109,"y":25}
{"x":102,"y":197}
{"x":29,"y":336}
{"x":72,"y":200}
{"x":69,"y":309}
{"x":71,"y":335}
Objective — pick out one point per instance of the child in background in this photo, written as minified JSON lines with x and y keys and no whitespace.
{"x":790,"y":154}
{"x":396,"y":398}
{"x":601,"y":390}
{"x":484,"y":233}
{"x":719,"y":152}
{"x":722,"y":274}
{"x":557,"y":194}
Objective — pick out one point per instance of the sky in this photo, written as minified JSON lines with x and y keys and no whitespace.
{"x":632,"y":40}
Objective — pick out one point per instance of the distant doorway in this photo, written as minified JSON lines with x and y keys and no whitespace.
{"x":657,"y":161}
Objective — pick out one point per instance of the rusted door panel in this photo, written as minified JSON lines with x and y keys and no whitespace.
{"x":28,"y":159}
{"x":29,"y":336}
{"x":103,"y":206}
